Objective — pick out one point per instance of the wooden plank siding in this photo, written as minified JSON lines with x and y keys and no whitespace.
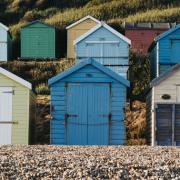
{"x":20,"y":130}
{"x":114,"y":56}
{"x":169,"y":85}
{"x":59,"y":100}
{"x":149,"y":109}
{"x":32,"y":117}
{"x":38,"y":41}
{"x":75,"y":32}
{"x":5,"y":45}
{"x":142,"y":38}
{"x":168,"y":53}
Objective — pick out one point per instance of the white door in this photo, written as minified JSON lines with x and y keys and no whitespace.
{"x":3,"y":51}
{"x":5,"y":115}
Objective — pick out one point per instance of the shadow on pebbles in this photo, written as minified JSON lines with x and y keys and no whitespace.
{"x":95,"y":162}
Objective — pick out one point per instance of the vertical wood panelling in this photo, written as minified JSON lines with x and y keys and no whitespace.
{"x":3,"y":44}
{"x":75,"y":32}
{"x":114,"y":53}
{"x":38,"y":41}
{"x":20,"y":110}
{"x":76,"y":102}
{"x":5,"y":115}
{"x":169,"y":52}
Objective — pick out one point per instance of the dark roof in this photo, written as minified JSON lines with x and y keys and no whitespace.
{"x":38,"y":21}
{"x":165,"y":75}
{"x":148,"y":25}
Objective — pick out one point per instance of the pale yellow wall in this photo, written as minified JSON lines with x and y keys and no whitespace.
{"x":32,"y":118}
{"x":76,"y":31}
{"x":168,"y":86}
{"x":20,"y":131}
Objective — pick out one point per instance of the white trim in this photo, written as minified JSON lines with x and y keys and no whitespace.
{"x":99,"y":26}
{"x":15,"y":78}
{"x":4,"y":27}
{"x":152,"y":118}
{"x":102,"y":42}
{"x":157,"y":60}
{"x":83,"y":19}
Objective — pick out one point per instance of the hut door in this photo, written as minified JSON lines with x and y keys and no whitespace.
{"x":87,"y":118}
{"x":3,"y":51}
{"x":164,"y":124}
{"x":76,"y":117}
{"x":98,"y":114}
{"x":5,"y":115}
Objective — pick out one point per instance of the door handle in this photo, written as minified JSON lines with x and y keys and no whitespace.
{"x":70,"y":115}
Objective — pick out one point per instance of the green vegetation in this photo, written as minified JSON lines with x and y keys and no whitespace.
{"x":61,"y":13}
{"x":38,"y":73}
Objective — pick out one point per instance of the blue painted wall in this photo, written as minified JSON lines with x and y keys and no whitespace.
{"x":64,"y":98}
{"x":111,"y":55}
{"x":169,"y":52}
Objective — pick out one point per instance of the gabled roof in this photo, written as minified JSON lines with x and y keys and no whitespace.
{"x":37,"y":21}
{"x":162,"y":36}
{"x":15,"y":78}
{"x":94,"y":63}
{"x":165,"y":75}
{"x":4,"y":27}
{"x":81,"y":20}
{"x":167,"y":32}
{"x":102,"y":24}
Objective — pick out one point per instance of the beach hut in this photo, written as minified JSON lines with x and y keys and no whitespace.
{"x":87,"y":106}
{"x":163,"y":109}
{"x":105,"y":45}
{"x":165,"y":51}
{"x":17,"y":109}
{"x":38,"y":41}
{"x":5,"y":43}
{"x":142,"y":34}
{"x":77,"y":29}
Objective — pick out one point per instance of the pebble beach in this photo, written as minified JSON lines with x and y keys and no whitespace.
{"x":89,"y":162}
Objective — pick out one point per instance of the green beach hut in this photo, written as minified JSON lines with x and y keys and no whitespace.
{"x":38,"y":41}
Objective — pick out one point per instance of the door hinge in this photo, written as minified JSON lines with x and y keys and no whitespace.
{"x":9,"y":92}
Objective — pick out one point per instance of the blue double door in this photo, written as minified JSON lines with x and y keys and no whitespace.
{"x":88,"y":109}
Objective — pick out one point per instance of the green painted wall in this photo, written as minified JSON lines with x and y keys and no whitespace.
{"x":38,"y":41}
{"x":21,"y":110}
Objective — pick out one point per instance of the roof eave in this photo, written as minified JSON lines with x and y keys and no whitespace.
{"x":95,"y":64}
{"x":128,"y":41}
{"x":16,"y":78}
{"x":81,"y":20}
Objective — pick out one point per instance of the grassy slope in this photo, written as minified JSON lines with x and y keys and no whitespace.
{"x":61,"y":13}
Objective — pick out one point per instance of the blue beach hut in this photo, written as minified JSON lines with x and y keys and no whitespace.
{"x":88,"y":102}
{"x":105,"y":45}
{"x":165,"y":51}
